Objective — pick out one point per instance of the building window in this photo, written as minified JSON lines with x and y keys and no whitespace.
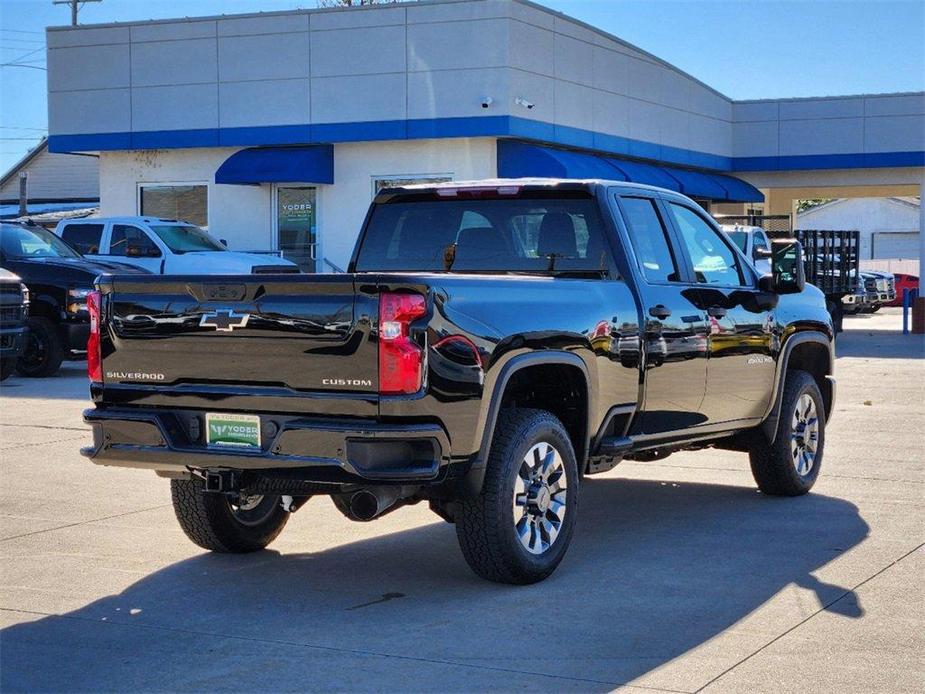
{"x":297,"y":225}
{"x":188,"y":203}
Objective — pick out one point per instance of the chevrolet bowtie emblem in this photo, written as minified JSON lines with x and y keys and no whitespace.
{"x":224,"y":320}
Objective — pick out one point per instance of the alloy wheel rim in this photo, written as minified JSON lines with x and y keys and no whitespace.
{"x":540,"y":498}
{"x":804,"y":435}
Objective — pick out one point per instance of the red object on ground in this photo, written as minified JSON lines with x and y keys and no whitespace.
{"x":903,"y":281}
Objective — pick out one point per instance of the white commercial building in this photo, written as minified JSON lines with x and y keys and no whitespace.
{"x":275,"y":129}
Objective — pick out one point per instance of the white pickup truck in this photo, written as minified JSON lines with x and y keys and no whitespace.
{"x":164,"y":247}
{"x":753,"y":242}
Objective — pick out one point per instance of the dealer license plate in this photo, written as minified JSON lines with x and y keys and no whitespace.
{"x":233,"y":430}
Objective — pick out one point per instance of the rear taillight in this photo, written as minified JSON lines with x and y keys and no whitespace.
{"x":94,"y":357}
{"x":401,"y":360}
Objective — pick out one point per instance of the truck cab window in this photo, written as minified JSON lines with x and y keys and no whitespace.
{"x":125,"y":236}
{"x":714,"y":262}
{"x":649,"y":239}
{"x":84,"y":238}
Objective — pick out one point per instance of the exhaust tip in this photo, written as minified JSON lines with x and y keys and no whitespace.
{"x":364,"y":505}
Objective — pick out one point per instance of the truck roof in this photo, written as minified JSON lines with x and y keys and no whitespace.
{"x":122,"y":219}
{"x":532,"y":183}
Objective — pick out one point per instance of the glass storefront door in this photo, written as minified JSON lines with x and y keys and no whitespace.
{"x":296,"y":225}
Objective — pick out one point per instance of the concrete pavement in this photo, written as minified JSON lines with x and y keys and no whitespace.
{"x":681,"y":577}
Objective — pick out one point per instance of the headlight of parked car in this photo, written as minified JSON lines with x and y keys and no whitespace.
{"x":77,"y":300}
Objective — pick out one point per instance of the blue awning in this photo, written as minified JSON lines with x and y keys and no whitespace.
{"x":523,"y":160}
{"x":302,"y":164}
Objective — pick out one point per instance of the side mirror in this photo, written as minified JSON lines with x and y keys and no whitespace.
{"x":787,"y":271}
{"x":762,"y":253}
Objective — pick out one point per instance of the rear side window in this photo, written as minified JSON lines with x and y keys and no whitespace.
{"x":85,"y":238}
{"x":484,"y":235}
{"x":127,"y":240}
{"x":649,"y":239}
{"x":713,"y":261}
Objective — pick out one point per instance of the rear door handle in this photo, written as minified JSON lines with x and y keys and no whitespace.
{"x":716,"y":312}
{"x":659,"y":311}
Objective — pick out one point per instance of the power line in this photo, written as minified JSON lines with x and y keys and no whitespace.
{"x":19,"y":127}
{"x":34,"y":67}
{"x":22,"y":31}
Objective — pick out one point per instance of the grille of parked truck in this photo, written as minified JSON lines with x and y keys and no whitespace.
{"x":491,"y":345}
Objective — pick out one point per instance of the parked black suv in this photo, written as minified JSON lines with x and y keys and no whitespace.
{"x":14,"y":309}
{"x":59,"y":279}
{"x":492,"y":343}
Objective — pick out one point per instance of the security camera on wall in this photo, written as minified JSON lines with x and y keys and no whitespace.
{"x":520,"y":101}
{"x":487,"y":101}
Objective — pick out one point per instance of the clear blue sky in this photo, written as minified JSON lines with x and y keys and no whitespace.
{"x":744,"y":48}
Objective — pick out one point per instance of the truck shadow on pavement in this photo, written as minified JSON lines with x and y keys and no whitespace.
{"x":656,"y":570}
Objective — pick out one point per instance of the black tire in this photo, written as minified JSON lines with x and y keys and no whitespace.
{"x":485,"y":525}
{"x":44,"y":349}
{"x":774,"y":466}
{"x":211,"y":522}
{"x":837,"y":313}
{"x":7,"y":367}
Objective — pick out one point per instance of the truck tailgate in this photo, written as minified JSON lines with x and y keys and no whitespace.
{"x":249,"y":343}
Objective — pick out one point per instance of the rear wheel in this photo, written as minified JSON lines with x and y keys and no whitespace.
{"x":44,"y":349}
{"x":217,"y":523}
{"x":790,"y":466}
{"x":519,"y":527}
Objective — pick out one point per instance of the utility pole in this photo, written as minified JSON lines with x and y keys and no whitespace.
{"x":75,"y":6}
{"x":23,"y":193}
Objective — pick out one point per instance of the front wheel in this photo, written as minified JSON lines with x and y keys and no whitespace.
{"x":790,"y":466}
{"x":518,"y":528}
{"x":214,"y":522}
{"x":44,"y":349}
{"x":7,"y":366}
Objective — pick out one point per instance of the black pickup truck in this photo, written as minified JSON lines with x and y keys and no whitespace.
{"x":491,"y":344}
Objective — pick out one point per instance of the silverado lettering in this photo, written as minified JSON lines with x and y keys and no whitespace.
{"x":134,"y":376}
{"x":504,"y":340}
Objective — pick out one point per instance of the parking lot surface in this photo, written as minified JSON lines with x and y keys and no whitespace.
{"x":681,"y":576}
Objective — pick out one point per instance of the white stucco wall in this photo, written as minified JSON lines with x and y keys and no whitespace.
{"x":867,"y":215}
{"x":244,"y":215}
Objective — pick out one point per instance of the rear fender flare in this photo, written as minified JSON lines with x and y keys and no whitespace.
{"x":471,"y":483}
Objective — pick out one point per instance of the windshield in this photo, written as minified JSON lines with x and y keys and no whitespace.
{"x":739,"y":238}
{"x":182,"y":238}
{"x":535,"y":234}
{"x":33,"y":242}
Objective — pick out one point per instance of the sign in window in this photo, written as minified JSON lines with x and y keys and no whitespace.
{"x":296,"y":223}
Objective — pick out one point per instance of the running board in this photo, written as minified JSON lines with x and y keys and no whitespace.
{"x":610,"y":451}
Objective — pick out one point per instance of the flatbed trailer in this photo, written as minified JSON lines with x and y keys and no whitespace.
{"x":831,"y":259}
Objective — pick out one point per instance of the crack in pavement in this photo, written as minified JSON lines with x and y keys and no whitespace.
{"x":806,"y":619}
{"x":91,"y":520}
{"x":337,"y":649}
{"x":43,"y":426}
{"x":20,"y":446}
